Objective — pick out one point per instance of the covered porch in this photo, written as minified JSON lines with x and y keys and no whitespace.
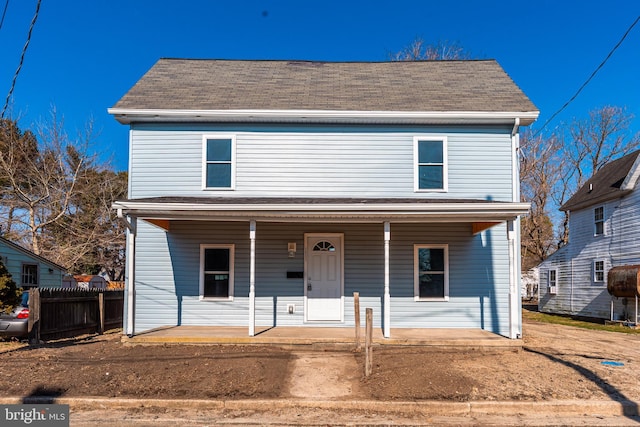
{"x":465,"y":218}
{"x":320,"y":338}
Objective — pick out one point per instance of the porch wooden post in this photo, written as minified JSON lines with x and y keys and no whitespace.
{"x":368,"y":350}
{"x":513,"y":280}
{"x":33,"y":323}
{"x":387,"y":296}
{"x":356,"y":314}
{"x":100,"y":312}
{"x":252,"y":279}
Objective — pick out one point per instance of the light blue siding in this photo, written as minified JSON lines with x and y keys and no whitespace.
{"x":167,"y":275}
{"x":49,"y":275}
{"x":325,"y":161}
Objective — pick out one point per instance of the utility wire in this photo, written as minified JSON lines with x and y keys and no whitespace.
{"x":4,"y":12}
{"x":589,"y":79}
{"x":24,"y":51}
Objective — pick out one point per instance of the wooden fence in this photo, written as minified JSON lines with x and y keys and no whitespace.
{"x":63,"y":313}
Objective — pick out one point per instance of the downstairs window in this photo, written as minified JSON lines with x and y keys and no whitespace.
{"x":431,"y":281}
{"x":216,"y":271}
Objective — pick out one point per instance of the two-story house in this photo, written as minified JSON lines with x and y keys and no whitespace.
{"x":265,"y":193}
{"x":604,"y":223}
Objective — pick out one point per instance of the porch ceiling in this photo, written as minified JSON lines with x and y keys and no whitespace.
{"x":321,"y":209}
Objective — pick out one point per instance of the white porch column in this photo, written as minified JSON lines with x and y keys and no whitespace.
{"x":130,"y":274}
{"x":252,"y":279}
{"x":387,"y":296}
{"x":514,"y":305}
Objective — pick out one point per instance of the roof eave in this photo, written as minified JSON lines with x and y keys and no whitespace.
{"x":596,"y":200}
{"x":437,"y":212}
{"x":33,"y":255}
{"x":128,"y":116}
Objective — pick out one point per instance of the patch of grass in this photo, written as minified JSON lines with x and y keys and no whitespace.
{"x":570,"y":321}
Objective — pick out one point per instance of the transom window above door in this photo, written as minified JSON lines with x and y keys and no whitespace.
{"x":324,"y":246}
{"x":218,"y":162}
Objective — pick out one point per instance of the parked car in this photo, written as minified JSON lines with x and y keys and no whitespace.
{"x":15,"y":324}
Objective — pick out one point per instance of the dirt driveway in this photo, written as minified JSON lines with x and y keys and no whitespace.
{"x":556,"y":363}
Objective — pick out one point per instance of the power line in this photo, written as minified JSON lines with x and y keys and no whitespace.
{"x":589,"y":79}
{"x":4,"y":12}
{"x":24,"y":51}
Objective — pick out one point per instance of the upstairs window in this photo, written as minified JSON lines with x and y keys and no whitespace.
{"x":29,"y":275}
{"x":430,"y":169}
{"x":219,"y":162}
{"x":598,"y":217}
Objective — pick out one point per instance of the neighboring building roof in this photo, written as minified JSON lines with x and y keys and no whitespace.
{"x":88,"y":277}
{"x":30,"y":253}
{"x":610,"y":182}
{"x":196,"y":85}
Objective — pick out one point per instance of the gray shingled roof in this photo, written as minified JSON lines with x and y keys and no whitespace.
{"x":603,"y":185}
{"x":427,"y":86}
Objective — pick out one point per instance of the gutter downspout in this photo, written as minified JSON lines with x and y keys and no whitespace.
{"x":131,"y":224}
{"x":571,"y":292}
{"x":513,"y":236}
{"x":387,"y":295}
{"x":252,"y":279}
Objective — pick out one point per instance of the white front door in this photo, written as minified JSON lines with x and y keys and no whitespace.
{"x":323,"y":277}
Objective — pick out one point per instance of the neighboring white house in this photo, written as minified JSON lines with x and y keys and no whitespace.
{"x":604,"y":226}
{"x":27,"y":269}
{"x":265,"y":193}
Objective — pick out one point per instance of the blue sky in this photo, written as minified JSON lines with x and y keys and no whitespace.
{"x":84,"y":55}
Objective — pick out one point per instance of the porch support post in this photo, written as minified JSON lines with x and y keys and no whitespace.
{"x":387,"y":296}
{"x":252,"y":279}
{"x":514,"y":305}
{"x":130,"y":275}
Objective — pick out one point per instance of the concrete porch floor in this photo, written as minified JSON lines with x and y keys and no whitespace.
{"x":320,"y":337}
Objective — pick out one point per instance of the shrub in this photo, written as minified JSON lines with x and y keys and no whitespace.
{"x":9,"y":292}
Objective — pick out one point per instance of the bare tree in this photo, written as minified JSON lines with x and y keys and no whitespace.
{"x":588,"y":145}
{"x":12,"y":137}
{"x":418,"y":50}
{"x":539,"y":174}
{"x":598,"y":140}
{"x":89,"y":238}
{"x":40,"y":180}
{"x":56,"y":198}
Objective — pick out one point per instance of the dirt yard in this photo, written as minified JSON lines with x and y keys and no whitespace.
{"x":556,"y":362}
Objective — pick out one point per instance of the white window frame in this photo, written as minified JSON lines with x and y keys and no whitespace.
{"x":416,"y":271}
{"x":417,"y":164}
{"x":207,"y":137}
{"x":597,"y":221}
{"x":22,"y":274}
{"x":552,"y":284}
{"x":231,"y":248}
{"x":596,"y":270}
